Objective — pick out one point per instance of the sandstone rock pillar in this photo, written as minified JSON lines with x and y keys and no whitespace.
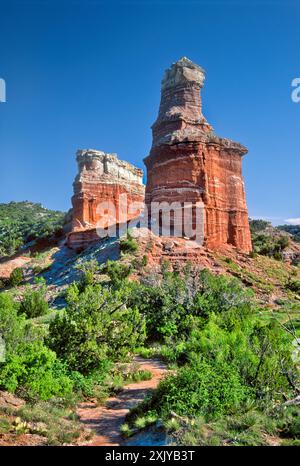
{"x":189,"y":164}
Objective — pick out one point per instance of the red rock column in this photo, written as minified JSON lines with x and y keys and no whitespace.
{"x":188,"y":163}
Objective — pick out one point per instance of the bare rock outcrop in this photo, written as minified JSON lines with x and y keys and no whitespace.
{"x":188,"y":163}
{"x":107,"y":191}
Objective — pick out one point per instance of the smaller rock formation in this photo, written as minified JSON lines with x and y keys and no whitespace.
{"x":107,"y":191}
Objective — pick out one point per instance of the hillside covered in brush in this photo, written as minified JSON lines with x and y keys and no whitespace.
{"x":278,"y":242}
{"x":22,"y":222}
{"x":218,"y":319}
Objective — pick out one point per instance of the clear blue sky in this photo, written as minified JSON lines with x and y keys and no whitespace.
{"x":86,"y":74}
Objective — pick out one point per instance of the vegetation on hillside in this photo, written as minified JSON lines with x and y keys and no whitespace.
{"x":259,"y":225}
{"x":267,"y":240}
{"x":293,"y":230}
{"x":232,"y":369}
{"x":22,"y":222}
{"x":234,"y":362}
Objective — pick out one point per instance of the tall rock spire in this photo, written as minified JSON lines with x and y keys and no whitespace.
{"x":188,"y":163}
{"x":180,"y":106}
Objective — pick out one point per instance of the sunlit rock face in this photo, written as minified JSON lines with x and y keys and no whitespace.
{"x":189,"y":164}
{"x":107,"y":191}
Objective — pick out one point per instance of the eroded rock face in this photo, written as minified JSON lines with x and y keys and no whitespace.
{"x":188,"y":163}
{"x":106,"y":191}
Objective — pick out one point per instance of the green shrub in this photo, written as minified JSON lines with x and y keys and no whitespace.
{"x":125,"y":430}
{"x":34,"y":371}
{"x":172,"y":424}
{"x":269,"y":245}
{"x":174,"y":305}
{"x":140,"y":375}
{"x":140,"y":423}
{"x":209,"y":388}
{"x":293,"y":230}
{"x":16,"y":277}
{"x":91,"y":386}
{"x":88,"y":270}
{"x":96,"y":326}
{"x":261,"y":353}
{"x":116,"y":271}
{"x":258,"y":225}
{"x":30,"y":368}
{"x":129,"y":244}
{"x":227,"y":355}
{"x":293,"y":285}
{"x":12,"y":327}
{"x":34,"y":303}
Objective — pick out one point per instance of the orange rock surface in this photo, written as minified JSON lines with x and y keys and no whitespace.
{"x":106,"y":191}
{"x":188,"y":163}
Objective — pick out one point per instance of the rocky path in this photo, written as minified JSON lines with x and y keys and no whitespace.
{"x":105,"y":421}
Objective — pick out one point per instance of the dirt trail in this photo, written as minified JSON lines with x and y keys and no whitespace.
{"x":105,"y":421}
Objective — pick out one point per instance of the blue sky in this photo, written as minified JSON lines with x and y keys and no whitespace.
{"x":86,"y":74}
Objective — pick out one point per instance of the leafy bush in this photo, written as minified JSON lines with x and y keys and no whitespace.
{"x":95,"y":326}
{"x":227,"y":355}
{"x":128,"y":244}
{"x":293,"y":285}
{"x":34,"y":303}
{"x":261,"y":353}
{"x":92,"y":385}
{"x":12,"y":327}
{"x":16,"y":277}
{"x":232,"y":360}
{"x":209,"y":388}
{"x":34,"y":371}
{"x":116,"y":271}
{"x":269,"y":245}
{"x":30,"y":368}
{"x":174,"y":304}
{"x":88,"y":270}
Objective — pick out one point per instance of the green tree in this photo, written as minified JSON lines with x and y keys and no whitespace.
{"x":96,"y":326}
{"x":16,"y":277}
{"x":29,"y":368}
{"x":34,"y":303}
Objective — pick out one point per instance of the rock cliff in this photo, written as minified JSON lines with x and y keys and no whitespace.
{"x":107,"y":191}
{"x":189,"y":164}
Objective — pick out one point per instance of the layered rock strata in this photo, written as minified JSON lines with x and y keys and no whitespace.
{"x":190,"y":166}
{"x":107,"y":191}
